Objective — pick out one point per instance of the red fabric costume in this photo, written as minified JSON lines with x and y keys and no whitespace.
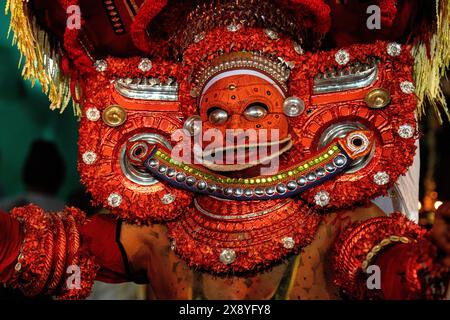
{"x":337,"y":102}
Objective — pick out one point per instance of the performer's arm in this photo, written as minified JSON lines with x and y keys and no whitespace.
{"x":405,"y":256}
{"x":11,"y":239}
{"x":59,"y":254}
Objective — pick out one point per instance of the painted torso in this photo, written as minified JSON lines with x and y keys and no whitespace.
{"x":301,"y":277}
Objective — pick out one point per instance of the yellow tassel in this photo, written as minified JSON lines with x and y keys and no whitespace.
{"x":429,"y":69}
{"x":39,"y":61}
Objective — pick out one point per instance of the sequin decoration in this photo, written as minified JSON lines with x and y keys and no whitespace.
{"x":227,"y":256}
{"x":406,"y":131}
{"x":92,"y":114}
{"x":394,"y":49}
{"x":342,"y":57}
{"x":145,"y":65}
{"x":199,"y":37}
{"x":168,"y":198}
{"x":381,"y":178}
{"x":322,"y":198}
{"x":114,"y":200}
{"x":233,"y":27}
{"x":273,"y":35}
{"x":89,"y":157}
{"x":407,"y":87}
{"x":288,"y":242}
{"x":101,"y":65}
{"x":298,"y":48}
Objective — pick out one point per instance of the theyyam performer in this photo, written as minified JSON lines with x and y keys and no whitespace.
{"x":245,"y":149}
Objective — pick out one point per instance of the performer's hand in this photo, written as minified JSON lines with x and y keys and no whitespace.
{"x":441,"y":231}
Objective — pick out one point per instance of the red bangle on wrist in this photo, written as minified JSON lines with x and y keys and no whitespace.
{"x":51,"y":244}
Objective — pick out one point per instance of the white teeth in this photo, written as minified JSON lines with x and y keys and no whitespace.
{"x":256,"y":145}
{"x":147,"y":89}
{"x":238,"y":167}
{"x":355,"y":76}
{"x":354,"y":69}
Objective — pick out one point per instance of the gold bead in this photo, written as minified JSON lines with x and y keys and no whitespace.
{"x":376,"y":249}
{"x":378,"y":98}
{"x":385,"y":242}
{"x":365,"y":265}
{"x":18,"y":267}
{"x":370,"y":256}
{"x":394,"y":238}
{"x":404,"y":240}
{"x":114,"y":115}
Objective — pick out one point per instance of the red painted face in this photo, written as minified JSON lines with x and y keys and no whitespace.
{"x":243,"y":102}
{"x":244,"y":109}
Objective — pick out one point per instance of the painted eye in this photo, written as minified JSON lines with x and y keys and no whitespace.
{"x":256,"y":111}
{"x":218,"y":116}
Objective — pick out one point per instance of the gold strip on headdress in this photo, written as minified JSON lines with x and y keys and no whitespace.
{"x":40,"y":61}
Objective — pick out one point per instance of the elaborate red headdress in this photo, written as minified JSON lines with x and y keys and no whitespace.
{"x":58,"y":56}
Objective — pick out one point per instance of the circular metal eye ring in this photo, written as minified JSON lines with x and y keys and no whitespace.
{"x":256,"y":111}
{"x":340,"y":130}
{"x":136,"y":175}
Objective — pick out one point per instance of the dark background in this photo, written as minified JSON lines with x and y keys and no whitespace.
{"x":25,"y":117}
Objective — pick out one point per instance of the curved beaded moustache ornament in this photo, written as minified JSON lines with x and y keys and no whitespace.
{"x":290,"y":182}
